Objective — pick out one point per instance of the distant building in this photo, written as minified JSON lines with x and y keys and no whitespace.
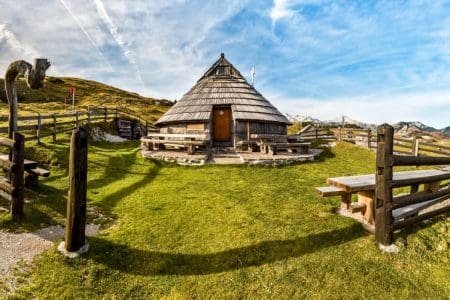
{"x":225,"y":106}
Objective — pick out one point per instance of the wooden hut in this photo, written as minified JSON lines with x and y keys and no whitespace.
{"x":223,"y":105}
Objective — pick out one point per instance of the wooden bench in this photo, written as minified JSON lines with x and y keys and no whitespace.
{"x":160,"y":144}
{"x":272,"y":148}
{"x":250,"y":146}
{"x":32,"y":171}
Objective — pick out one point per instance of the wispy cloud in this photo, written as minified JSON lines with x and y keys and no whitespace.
{"x":86,"y":33}
{"x":324,"y":51}
{"x":120,"y":40}
{"x":280,"y":10}
{"x":10,"y":39}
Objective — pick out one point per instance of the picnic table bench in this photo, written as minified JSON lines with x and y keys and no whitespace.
{"x":271,"y":143}
{"x":272,"y":148}
{"x":32,"y":171}
{"x":364,"y":187}
{"x":157,"y":141}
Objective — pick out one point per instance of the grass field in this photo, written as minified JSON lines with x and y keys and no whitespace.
{"x":223,"y":232}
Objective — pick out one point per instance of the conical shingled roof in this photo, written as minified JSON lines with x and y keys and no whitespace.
{"x":222,"y":84}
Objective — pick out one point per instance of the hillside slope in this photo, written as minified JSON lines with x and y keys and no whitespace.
{"x":54,"y":95}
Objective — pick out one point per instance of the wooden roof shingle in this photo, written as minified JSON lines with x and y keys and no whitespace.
{"x":222,"y":84}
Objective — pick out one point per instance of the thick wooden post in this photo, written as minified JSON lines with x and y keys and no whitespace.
{"x":76,"y":203}
{"x":89,"y":115}
{"x":340,"y":134}
{"x":16,"y":177}
{"x":383,"y":191}
{"x":54,"y":128}
{"x":76,"y":119}
{"x":38,"y":129}
{"x":146,"y":127}
{"x":369,"y":138}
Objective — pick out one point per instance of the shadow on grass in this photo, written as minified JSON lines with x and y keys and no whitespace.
{"x":142,"y":262}
{"x":115,"y":171}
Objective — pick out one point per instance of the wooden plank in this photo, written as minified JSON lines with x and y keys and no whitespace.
{"x":435,"y":146}
{"x":443,"y":152}
{"x":402,"y":201}
{"x":367,"y":181}
{"x":411,"y":210}
{"x":414,"y":220}
{"x":329,"y":191}
{"x":39,"y":172}
{"x":418,"y":180}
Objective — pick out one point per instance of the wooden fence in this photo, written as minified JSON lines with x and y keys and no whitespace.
{"x":12,"y":185}
{"x":44,"y":125}
{"x":385,"y":202}
{"x":407,"y":146}
{"x":312,"y":133}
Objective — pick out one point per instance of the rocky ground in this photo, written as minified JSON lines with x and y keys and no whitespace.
{"x":17,"y":250}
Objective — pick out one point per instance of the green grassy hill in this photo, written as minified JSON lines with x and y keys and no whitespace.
{"x":52,"y":98}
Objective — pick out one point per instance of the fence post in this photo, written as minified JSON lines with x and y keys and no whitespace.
{"x":54,"y":128}
{"x":146,"y":128}
{"x":415,"y":146}
{"x":75,"y":237}
{"x":317,"y":133}
{"x":383,"y":192}
{"x":89,"y":115}
{"x":106,"y":114}
{"x":117,"y":112}
{"x":340,"y":134}
{"x":369,"y":138}
{"x":76,"y":119}
{"x":38,"y":129}
{"x":16,"y":177}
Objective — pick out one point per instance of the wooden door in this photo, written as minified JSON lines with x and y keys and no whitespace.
{"x":222,"y":124}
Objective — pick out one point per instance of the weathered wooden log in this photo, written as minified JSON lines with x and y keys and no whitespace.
{"x":406,"y":200}
{"x":383,"y":191}
{"x":16,"y":177}
{"x":399,"y":160}
{"x":76,"y":202}
{"x":35,"y":79}
{"x":416,"y":219}
{"x":412,"y":181}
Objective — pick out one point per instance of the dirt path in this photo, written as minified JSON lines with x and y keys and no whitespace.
{"x":23,"y":247}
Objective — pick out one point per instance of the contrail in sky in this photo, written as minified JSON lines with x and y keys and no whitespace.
{"x":85,"y":32}
{"x":114,"y":31}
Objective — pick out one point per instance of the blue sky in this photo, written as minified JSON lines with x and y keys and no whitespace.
{"x":375,"y":61}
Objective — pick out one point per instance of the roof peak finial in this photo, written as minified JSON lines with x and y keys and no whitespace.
{"x":222,"y":55}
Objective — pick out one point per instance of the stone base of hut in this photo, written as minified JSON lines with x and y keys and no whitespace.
{"x":230,"y":157}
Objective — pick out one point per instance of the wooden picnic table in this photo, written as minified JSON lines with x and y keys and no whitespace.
{"x":364,"y":187}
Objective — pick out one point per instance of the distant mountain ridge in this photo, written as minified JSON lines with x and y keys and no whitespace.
{"x":346,"y":120}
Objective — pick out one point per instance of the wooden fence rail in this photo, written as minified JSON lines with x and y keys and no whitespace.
{"x":385,"y":202}
{"x":59,"y":123}
{"x":412,"y":146}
